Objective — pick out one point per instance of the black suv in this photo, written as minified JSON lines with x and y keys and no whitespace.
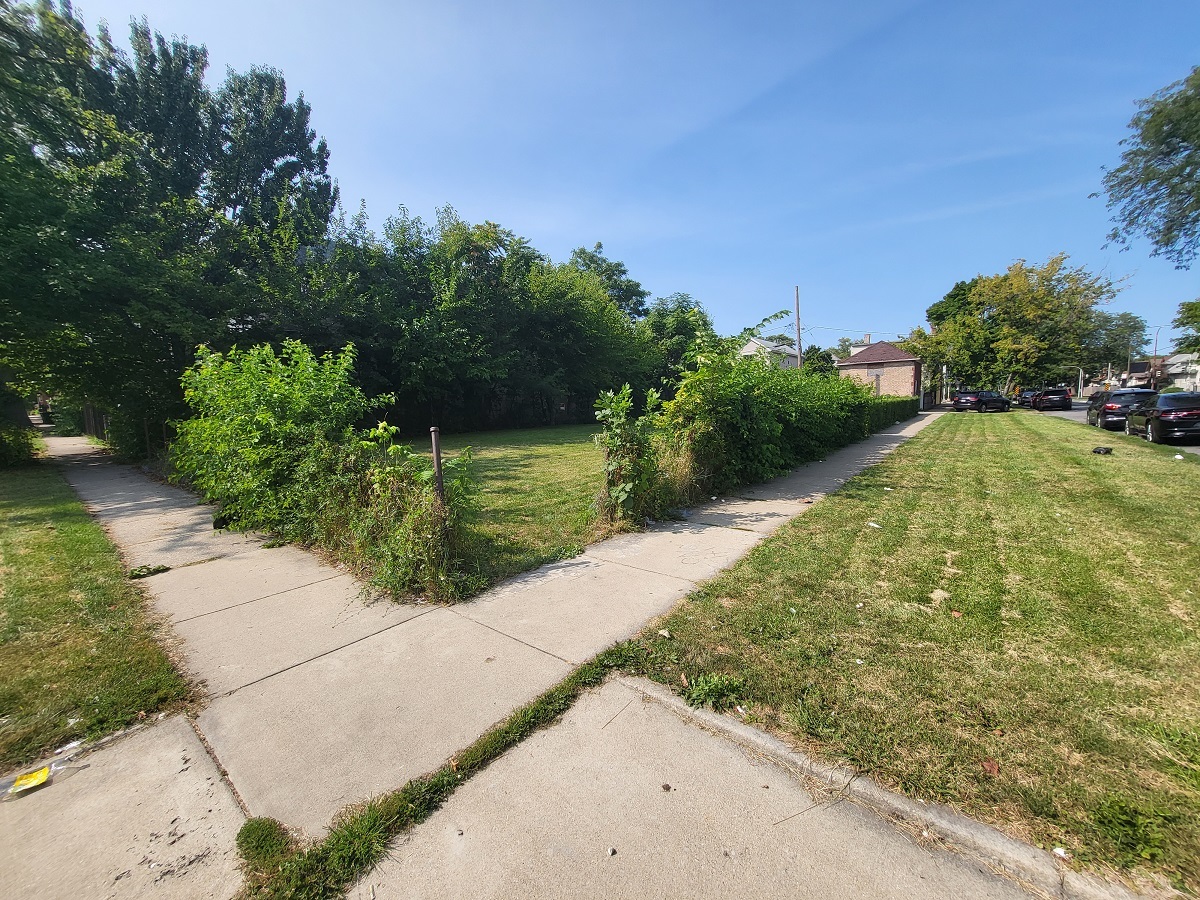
{"x":980,"y":401}
{"x":1051,"y":398}
{"x":1107,"y":409}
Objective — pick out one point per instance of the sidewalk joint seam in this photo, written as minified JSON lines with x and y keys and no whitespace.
{"x":298,"y":587}
{"x":222,"y":773}
{"x":730,"y":527}
{"x":625,"y":565}
{"x":513,"y":638}
{"x":302,"y":662}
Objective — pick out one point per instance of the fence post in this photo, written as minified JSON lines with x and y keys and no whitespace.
{"x":435,"y":436}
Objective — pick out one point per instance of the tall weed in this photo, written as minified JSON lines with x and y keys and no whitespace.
{"x":273,"y":442}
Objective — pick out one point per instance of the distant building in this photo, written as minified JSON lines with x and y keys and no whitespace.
{"x":780,"y":354}
{"x":1144,"y":373}
{"x":1183,"y":370}
{"x":885,"y":368}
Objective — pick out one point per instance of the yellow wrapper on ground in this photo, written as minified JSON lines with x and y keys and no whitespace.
{"x":30,"y":780}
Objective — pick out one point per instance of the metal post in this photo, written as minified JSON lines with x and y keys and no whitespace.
{"x":435,"y":436}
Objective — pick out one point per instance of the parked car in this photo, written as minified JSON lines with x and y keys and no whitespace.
{"x":1107,"y":409}
{"x":1024,"y":398}
{"x":1051,"y":398}
{"x":980,"y":401}
{"x":1165,"y":416}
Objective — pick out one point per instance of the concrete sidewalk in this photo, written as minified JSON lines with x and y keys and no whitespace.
{"x":688,"y":813}
{"x":319,"y":697}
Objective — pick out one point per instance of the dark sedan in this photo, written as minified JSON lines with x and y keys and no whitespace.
{"x":1051,"y":398}
{"x":980,"y":401}
{"x":1107,"y":409}
{"x":1166,"y":417}
{"x":1025,"y":398}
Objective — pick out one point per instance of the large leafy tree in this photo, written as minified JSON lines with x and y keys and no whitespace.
{"x":819,"y":361}
{"x":956,"y":302}
{"x":146,"y":214}
{"x":267,"y":156}
{"x":678,"y":327}
{"x":1155,"y":191}
{"x":160,"y":94}
{"x":627,"y":294}
{"x":1028,"y":325}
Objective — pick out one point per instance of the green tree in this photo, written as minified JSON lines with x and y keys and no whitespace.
{"x":1155,"y":191}
{"x":267,"y":156}
{"x":842,"y":348}
{"x":627,"y":294}
{"x":1113,"y":339}
{"x":957,"y":302}
{"x":678,"y":327}
{"x":1029,"y":325}
{"x":818,"y":361}
{"x":160,"y":93}
{"x":1188,"y":318}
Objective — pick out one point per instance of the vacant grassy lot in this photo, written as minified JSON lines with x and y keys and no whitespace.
{"x":77,"y":657}
{"x":537,"y":495}
{"x":1019,"y":638}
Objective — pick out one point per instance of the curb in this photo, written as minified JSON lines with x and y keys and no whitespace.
{"x":1028,"y":865}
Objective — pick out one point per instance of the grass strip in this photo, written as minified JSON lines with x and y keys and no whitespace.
{"x":78,"y":656}
{"x":361,"y":835}
{"x":995,"y":618}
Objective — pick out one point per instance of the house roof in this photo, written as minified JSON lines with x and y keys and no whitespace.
{"x":769,"y":346}
{"x":878,"y":352}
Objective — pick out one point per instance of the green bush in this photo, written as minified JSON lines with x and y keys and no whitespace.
{"x":631,"y":476}
{"x":748,"y":420}
{"x":734,"y":420}
{"x":68,"y":420}
{"x":884,"y":412}
{"x":16,"y":446}
{"x":273,"y":442}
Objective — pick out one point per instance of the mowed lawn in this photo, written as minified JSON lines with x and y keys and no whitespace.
{"x":1020,"y":636}
{"x":537,"y":495}
{"x":78,"y":657}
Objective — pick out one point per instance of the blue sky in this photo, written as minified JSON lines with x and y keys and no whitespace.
{"x":873,"y":154}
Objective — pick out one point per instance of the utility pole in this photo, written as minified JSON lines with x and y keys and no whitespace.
{"x":799,"y":346}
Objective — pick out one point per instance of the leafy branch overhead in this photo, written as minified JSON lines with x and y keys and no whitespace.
{"x":1155,"y":191}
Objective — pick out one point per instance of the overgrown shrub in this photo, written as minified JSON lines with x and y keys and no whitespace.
{"x":631,"y":482}
{"x":734,"y":420}
{"x":273,"y":442}
{"x":748,"y":420}
{"x":16,"y":446}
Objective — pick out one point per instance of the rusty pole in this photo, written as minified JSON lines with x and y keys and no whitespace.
{"x":435,"y":436}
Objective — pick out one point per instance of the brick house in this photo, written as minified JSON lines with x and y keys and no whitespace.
{"x":884,"y":367}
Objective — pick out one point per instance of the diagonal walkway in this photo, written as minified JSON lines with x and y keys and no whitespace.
{"x":319,"y":697}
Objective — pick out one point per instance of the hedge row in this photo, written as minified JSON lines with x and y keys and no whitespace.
{"x":734,"y":421}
